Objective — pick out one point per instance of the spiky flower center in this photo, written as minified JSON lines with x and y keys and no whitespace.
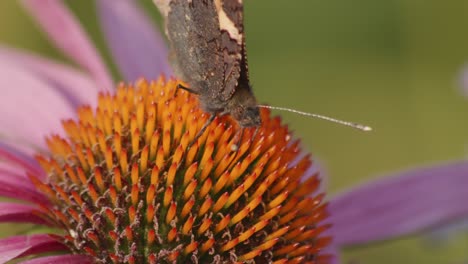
{"x":126,"y":187}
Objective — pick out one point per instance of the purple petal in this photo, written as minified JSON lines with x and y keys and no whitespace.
{"x":20,"y":246}
{"x":67,"y":34}
{"x":405,"y":203}
{"x":137,"y":47}
{"x":16,"y":187}
{"x":29,"y":108}
{"x":75,"y":86}
{"x":20,"y":213}
{"x":63,"y":259}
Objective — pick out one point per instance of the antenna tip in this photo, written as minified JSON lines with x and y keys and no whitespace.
{"x":366,"y":128}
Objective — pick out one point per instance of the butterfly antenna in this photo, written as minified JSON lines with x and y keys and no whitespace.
{"x":341,"y":122}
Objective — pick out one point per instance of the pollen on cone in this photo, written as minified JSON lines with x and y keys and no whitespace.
{"x":131,"y":183}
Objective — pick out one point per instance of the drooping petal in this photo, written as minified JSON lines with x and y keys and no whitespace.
{"x":137,"y":47}
{"x":65,"y":259}
{"x":29,"y":108}
{"x":77,"y":87}
{"x":19,"y":160}
{"x":20,"y":213}
{"x":67,"y":34}
{"x":16,"y":187}
{"x":20,"y":246}
{"x":405,"y":203}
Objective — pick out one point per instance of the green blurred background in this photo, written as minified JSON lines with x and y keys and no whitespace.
{"x":391,"y":64}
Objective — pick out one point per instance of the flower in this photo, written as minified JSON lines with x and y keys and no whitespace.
{"x":129,"y":182}
{"x":92,"y":183}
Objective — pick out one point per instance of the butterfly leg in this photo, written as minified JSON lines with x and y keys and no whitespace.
{"x":202,"y":130}
{"x":180,"y":86}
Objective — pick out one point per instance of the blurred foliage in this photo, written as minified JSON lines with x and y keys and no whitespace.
{"x":391,"y":64}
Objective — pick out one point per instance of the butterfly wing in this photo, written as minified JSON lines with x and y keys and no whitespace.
{"x":206,"y":44}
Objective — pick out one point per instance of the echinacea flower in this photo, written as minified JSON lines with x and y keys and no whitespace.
{"x":119,"y":183}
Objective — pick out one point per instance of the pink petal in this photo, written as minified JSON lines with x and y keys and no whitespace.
{"x":20,"y":246}
{"x":16,"y":187}
{"x":136,"y":45}
{"x":67,"y":34}
{"x":18,"y":160}
{"x":402,"y":204}
{"x":75,"y":86}
{"x":29,"y":108}
{"x":62,"y":259}
{"x":19,"y":213}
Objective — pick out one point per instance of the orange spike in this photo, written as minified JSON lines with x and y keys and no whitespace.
{"x":246,"y":234}
{"x":288,"y":217}
{"x":151,"y":236}
{"x":133,"y":124}
{"x":110,"y":216}
{"x":240,"y":215}
{"x":71,"y":174}
{"x":204,"y":226}
{"x":140,"y":113}
{"x":172,"y":234}
{"x":81,"y":157}
{"x":171,"y":174}
{"x":160,"y":158}
{"x":206,"y":169}
{"x":285,"y":249}
{"x":149,"y":128}
{"x":221,"y":182}
{"x":190,"y":173}
{"x":278,"y":233}
{"x":109,"y":159}
{"x":205,"y":206}
{"x":252,"y":254}
{"x":150,"y":194}
{"x":150,"y":213}
{"x":206,"y":187}
{"x":171,"y":212}
{"x":117,"y":123}
{"x":82,"y":176}
{"x":168,"y":195}
{"x":278,"y":200}
{"x":173,"y":256}
{"x":235,"y":195}
{"x":92,"y":192}
{"x":144,"y":158}
{"x":155,"y":176}
{"x":271,"y":213}
{"x":187,"y":208}
{"x":154,"y":144}
{"x":223,"y":223}
{"x":207,"y":153}
{"x":131,"y":213}
{"x":207,"y":245}
{"x":177,"y":157}
{"x":166,"y":142}
{"x":129,"y":233}
{"x":291,"y":204}
{"x":134,"y":194}
{"x":190,"y":189}
{"x":135,"y":142}
{"x":188,"y":225}
{"x":220,"y":202}
{"x":294,"y":233}
{"x":191,"y":154}
{"x":113,"y":195}
{"x":230,"y":244}
{"x":134,"y":173}
{"x":123,"y":160}
{"x":117,"y":179}
{"x":117,"y":143}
